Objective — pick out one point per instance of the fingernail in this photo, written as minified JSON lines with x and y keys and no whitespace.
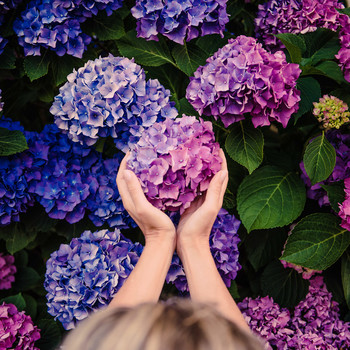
{"x":223,"y":175}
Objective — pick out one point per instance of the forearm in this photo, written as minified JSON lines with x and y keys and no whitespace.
{"x":146,"y":281}
{"x":205,"y":283}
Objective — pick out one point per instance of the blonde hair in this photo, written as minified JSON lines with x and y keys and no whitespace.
{"x":175,"y":325}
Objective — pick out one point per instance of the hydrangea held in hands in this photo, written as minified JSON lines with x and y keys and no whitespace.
{"x":17,"y":331}
{"x":241,"y":78}
{"x":110,"y":97}
{"x":344,"y":207}
{"x":223,"y":242}
{"x":175,"y":161}
{"x":7,"y":271}
{"x":83,"y":276}
{"x":179,"y":20}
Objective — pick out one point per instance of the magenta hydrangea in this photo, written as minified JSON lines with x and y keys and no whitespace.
{"x":110,"y":97}
{"x":242,"y":77}
{"x":294,"y":16}
{"x":17,"y":330}
{"x":179,"y":20}
{"x":7,"y":271}
{"x":344,"y":207}
{"x":223,"y":242}
{"x":344,"y":53}
{"x":175,"y":160}
{"x":84,"y":275}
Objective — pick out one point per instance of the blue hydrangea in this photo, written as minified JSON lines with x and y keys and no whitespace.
{"x":56,"y":25}
{"x":179,"y":20}
{"x":110,"y":97}
{"x":83,"y":276}
{"x":223,"y":242}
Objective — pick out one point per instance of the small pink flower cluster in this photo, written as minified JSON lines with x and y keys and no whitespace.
{"x":344,"y":207}
{"x":344,"y":53}
{"x":175,"y":160}
{"x":7,"y":271}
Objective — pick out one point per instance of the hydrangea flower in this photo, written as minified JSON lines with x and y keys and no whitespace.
{"x":17,"y":331}
{"x":344,"y":207}
{"x":340,"y":139}
{"x":294,"y":16}
{"x":344,"y":53}
{"x":242,"y":77}
{"x":83,"y":276}
{"x":1,"y":103}
{"x":175,"y":160}
{"x":7,"y":271}
{"x":224,"y":248}
{"x":179,"y":20}
{"x":331,"y":112}
{"x":110,"y":97}
{"x":56,"y":25}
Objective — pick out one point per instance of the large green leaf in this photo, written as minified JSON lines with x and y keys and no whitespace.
{"x":16,"y":300}
{"x":148,"y":53}
{"x":245,"y":144}
{"x":327,"y":52}
{"x":36,"y":66}
{"x":269,"y":198}
{"x":189,"y":57}
{"x":345,"y":276}
{"x":335,"y":193}
{"x":331,"y":70}
{"x":50,"y":335}
{"x":11,"y":142}
{"x":286,"y":286}
{"x":319,"y":159}
{"x":63,"y":66}
{"x":316,"y":242}
{"x":294,"y":44}
{"x":26,"y":278}
{"x":108,"y":27}
{"x":19,"y":239}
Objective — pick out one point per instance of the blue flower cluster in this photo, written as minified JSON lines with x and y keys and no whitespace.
{"x":84,"y":276}
{"x":56,"y":25}
{"x":110,"y":97}
{"x":179,"y":20}
{"x":223,"y":242}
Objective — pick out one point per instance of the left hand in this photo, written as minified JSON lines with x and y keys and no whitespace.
{"x":154,"y":224}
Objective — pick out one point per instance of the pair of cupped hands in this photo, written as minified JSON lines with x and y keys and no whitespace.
{"x":195,"y":223}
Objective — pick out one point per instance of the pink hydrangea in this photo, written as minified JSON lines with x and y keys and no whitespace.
{"x":7,"y":271}
{"x":242,"y":77}
{"x":344,"y":53}
{"x":175,"y":160}
{"x":344,"y":207}
{"x":17,"y":331}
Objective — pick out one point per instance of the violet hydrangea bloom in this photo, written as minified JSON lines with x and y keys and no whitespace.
{"x":223,"y":242}
{"x":242,"y":77}
{"x":1,"y":103}
{"x":83,"y":276}
{"x":175,"y":160}
{"x":340,"y":139}
{"x":294,"y":16}
{"x":17,"y":331}
{"x":344,"y":207}
{"x":110,"y":97}
{"x":344,"y":53}
{"x":179,"y":20}
{"x":7,"y":271}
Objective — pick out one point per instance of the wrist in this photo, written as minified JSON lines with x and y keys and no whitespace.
{"x":161,"y":238}
{"x":191,"y":245}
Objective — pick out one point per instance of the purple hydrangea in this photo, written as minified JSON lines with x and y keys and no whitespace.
{"x":83,"y":276}
{"x":179,"y":20}
{"x":224,"y":248}
{"x":175,"y":160}
{"x":344,"y":207}
{"x":241,"y":78}
{"x":110,"y":97}
{"x":344,"y":53}
{"x":1,"y":103}
{"x":294,"y":16}
{"x":340,"y":139}
{"x":17,"y":331}
{"x":313,"y":324}
{"x":56,"y":25}
{"x":7,"y":271}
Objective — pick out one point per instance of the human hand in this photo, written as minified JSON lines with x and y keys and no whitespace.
{"x":197,"y":221}
{"x":154,"y":224}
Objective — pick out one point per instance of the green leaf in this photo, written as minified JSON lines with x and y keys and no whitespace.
{"x":346,"y":11}
{"x":310,"y":91}
{"x":319,"y":159}
{"x":31,"y":305}
{"x":245,"y":144}
{"x":148,"y":53}
{"x":36,"y":66}
{"x":11,"y":142}
{"x":16,"y":300}
{"x":345,"y":276}
{"x":18,"y":240}
{"x":269,"y":198}
{"x":50,"y":335}
{"x":316,"y":242}
{"x":63,"y":66}
{"x":286,"y":286}
{"x":336,"y":194}
{"x":187,"y":108}
{"x":234,"y":290}
{"x":26,"y":278}
{"x":189,"y":57}
{"x":211,"y":43}
{"x":107,"y":27}
{"x":294,"y":44}
{"x":327,"y":52}
{"x":331,"y":70}
{"x":8,"y":59}
{"x":320,"y":38}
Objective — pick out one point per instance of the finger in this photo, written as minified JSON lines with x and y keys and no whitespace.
{"x":215,"y":192}
{"x":224,"y":162}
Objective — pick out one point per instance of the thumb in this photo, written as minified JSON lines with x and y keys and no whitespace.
{"x":216,"y":189}
{"x":134,"y":188}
